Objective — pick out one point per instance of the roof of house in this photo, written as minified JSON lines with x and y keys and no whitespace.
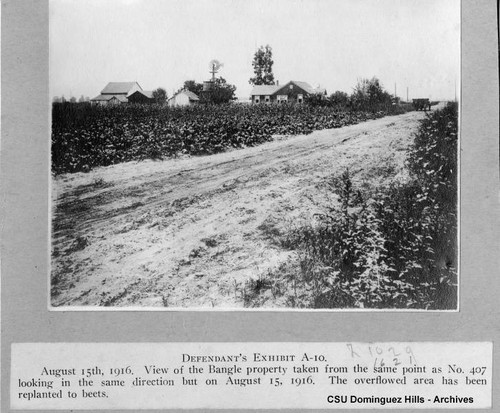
{"x":114,"y":88}
{"x":304,"y":86}
{"x":121,"y":98}
{"x":188,"y":93}
{"x":101,"y":97}
{"x":307,"y":87}
{"x":147,"y":93}
{"x":191,"y":95}
{"x":261,"y":90}
{"x":264,"y":90}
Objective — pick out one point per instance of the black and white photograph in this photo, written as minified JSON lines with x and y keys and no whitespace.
{"x":254,"y":155}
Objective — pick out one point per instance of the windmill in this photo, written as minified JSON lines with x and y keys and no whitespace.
{"x":214,"y":65}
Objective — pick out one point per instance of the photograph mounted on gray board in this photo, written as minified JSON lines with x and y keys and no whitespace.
{"x":263,"y":155}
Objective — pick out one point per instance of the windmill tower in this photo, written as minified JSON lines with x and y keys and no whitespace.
{"x":214,"y":67}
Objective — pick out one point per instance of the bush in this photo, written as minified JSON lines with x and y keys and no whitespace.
{"x":396,"y":247}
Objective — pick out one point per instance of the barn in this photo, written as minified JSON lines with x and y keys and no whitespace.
{"x":183,"y":98}
{"x":116,"y":93}
{"x":293,"y":91}
{"x":141,"y":96}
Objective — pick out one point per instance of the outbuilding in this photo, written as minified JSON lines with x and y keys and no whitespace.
{"x":141,"y":96}
{"x":183,"y":98}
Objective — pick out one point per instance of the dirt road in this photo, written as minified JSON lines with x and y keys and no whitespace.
{"x":190,"y":232}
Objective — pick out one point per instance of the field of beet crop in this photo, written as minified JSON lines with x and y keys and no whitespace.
{"x":85,"y":136}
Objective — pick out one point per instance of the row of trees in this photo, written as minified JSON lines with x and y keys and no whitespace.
{"x":72,"y":99}
{"x":367,"y":95}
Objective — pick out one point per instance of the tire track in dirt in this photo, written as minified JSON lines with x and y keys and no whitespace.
{"x":72,"y":213}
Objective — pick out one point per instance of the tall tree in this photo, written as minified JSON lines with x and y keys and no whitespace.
{"x":160,"y":95}
{"x":263,"y":66}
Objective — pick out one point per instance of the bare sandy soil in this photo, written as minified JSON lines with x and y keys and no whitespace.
{"x":190,"y":232}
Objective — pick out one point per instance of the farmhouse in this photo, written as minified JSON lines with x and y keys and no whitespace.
{"x":293,"y":91}
{"x":117,"y":92}
{"x":183,"y":98}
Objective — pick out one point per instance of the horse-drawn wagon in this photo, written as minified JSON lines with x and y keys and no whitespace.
{"x":422,"y":104}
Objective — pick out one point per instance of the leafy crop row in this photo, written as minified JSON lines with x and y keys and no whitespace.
{"x":85,"y":136}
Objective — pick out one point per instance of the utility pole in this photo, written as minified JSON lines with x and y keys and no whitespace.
{"x":395,"y":95}
{"x":407,"y":94}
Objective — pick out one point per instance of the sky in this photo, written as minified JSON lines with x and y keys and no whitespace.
{"x":409,"y":45}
